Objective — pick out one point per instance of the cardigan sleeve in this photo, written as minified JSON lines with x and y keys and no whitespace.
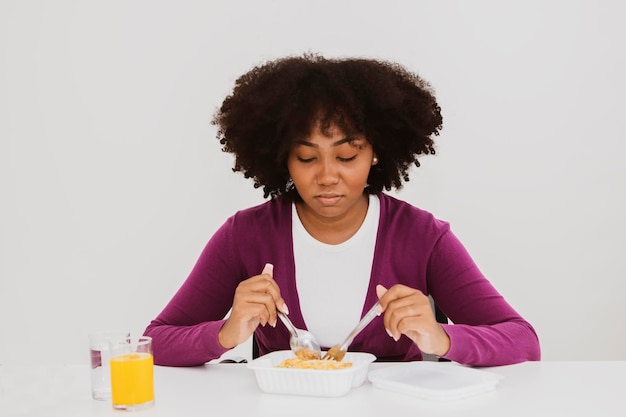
{"x":486,"y":330}
{"x":185,"y":332}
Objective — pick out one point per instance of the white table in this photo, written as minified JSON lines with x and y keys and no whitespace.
{"x":528,"y":389}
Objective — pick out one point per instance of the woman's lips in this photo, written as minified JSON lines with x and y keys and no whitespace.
{"x":328,"y":199}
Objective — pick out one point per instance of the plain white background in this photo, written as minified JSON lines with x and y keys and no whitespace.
{"x":112,"y":180}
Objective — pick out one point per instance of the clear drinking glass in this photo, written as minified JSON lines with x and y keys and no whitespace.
{"x":132,"y":374}
{"x":99,"y":345}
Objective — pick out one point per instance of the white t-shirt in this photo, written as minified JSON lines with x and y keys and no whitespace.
{"x":338,"y":275}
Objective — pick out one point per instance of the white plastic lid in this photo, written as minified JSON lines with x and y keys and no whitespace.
{"x":434,"y":380}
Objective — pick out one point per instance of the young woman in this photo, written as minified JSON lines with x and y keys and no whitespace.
{"x":324,"y":138}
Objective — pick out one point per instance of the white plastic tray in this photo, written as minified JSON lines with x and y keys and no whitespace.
{"x":311,"y":382}
{"x":434,"y":380}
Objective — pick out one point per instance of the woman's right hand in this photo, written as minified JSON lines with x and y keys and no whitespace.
{"x":255,"y":302}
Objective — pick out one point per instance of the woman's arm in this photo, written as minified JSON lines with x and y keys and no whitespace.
{"x":185,"y":333}
{"x":487,"y":331}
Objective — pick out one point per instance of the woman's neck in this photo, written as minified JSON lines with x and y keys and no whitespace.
{"x":333,"y":230}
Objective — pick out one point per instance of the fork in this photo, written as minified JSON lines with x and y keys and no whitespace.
{"x":337,"y":352}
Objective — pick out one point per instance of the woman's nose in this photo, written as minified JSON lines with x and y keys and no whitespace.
{"x":327,"y":174}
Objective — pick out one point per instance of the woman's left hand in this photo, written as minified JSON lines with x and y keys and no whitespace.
{"x":408,"y":311}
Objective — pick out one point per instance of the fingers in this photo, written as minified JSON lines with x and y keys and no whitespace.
{"x":269,"y":270}
{"x":259,"y":296}
{"x":278,"y":300}
{"x":255,"y":302}
{"x":380,"y":291}
{"x":406,"y":310}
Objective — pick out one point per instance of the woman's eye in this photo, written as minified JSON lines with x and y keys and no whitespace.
{"x":312,"y":159}
{"x":352,"y":158}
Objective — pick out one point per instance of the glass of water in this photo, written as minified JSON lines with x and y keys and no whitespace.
{"x":99,"y":348}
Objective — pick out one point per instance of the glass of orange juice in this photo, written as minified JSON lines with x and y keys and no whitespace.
{"x":132,"y":374}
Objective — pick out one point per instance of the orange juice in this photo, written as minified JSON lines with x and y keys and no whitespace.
{"x":132,"y":380}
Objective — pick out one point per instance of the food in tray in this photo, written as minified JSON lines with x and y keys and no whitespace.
{"x":300,"y":363}
{"x":306,"y":354}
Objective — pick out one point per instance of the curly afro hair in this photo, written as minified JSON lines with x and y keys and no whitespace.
{"x":282,"y":100}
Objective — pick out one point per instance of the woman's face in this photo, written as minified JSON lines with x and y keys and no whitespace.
{"x":330,"y":173}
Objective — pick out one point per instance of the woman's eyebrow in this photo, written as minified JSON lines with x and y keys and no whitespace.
{"x":303,"y":142}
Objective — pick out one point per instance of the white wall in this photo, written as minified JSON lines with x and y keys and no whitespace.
{"x":112,"y":181}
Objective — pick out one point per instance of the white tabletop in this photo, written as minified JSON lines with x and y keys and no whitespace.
{"x":528,"y":389}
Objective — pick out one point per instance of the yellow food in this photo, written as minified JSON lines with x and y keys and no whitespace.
{"x":305,"y":354}
{"x":313,"y":364}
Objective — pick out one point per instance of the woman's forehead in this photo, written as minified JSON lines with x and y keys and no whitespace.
{"x":327,"y":125}
{"x":329,"y":130}
{"x":332,"y":138}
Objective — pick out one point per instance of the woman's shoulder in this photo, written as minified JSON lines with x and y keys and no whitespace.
{"x":399,"y":213}
{"x":274,"y":212}
{"x":273,"y":205}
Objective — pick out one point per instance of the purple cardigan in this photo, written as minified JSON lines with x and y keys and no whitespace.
{"x":412,"y":248}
